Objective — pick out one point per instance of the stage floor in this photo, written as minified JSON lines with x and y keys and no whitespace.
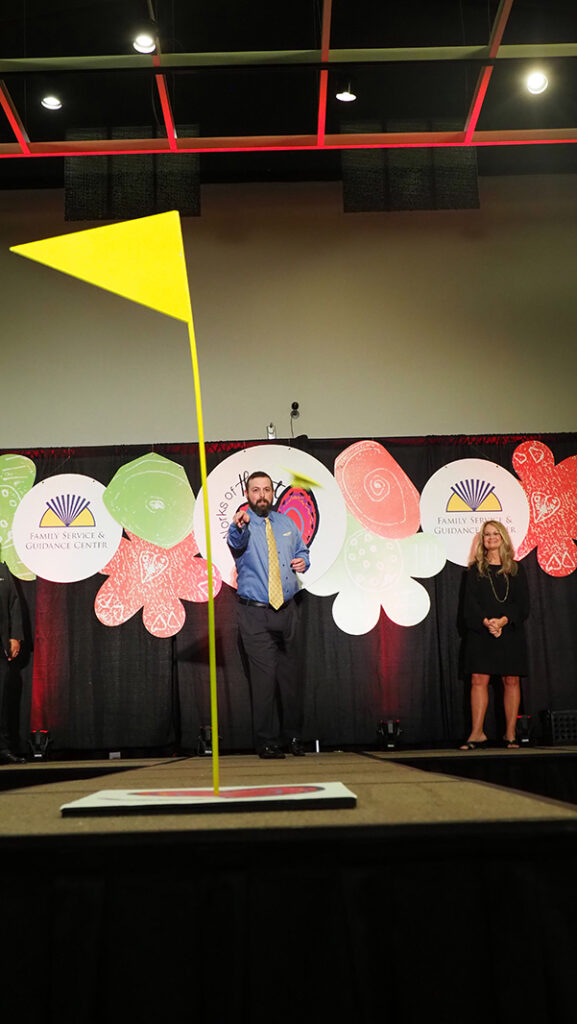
{"x":391,"y":793}
{"x":393,"y":910}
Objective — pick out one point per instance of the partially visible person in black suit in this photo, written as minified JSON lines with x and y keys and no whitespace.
{"x":10,"y":640}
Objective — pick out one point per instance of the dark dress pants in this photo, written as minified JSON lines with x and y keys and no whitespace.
{"x":270,"y":640}
{"x":6,"y":703}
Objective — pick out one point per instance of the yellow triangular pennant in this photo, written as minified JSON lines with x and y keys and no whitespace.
{"x":142,"y":260}
{"x":306,"y":483}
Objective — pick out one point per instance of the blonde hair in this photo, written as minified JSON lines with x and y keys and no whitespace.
{"x":506,"y":550}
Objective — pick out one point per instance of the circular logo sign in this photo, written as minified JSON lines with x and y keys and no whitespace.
{"x":314,"y":502}
{"x":461,"y":496}
{"x":62,"y":530}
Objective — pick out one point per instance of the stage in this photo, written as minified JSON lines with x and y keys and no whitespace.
{"x":395,"y":790}
{"x":434,"y":888}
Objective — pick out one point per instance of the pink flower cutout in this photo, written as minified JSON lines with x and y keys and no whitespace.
{"x":377,"y":492}
{"x":143,"y":575}
{"x":552,"y":494}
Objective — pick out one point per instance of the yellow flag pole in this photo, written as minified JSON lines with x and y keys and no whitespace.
{"x":211,"y":626}
{"x":110,"y":257}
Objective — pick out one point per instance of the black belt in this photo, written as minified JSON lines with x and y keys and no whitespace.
{"x":262,"y":604}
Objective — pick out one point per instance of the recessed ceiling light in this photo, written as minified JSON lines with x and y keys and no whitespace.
{"x":51,"y":102}
{"x":537,"y":82}
{"x":144,"y":43}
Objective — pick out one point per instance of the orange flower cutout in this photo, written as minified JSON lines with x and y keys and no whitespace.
{"x":143,"y":575}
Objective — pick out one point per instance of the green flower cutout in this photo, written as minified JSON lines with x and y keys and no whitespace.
{"x":17,"y":475}
{"x":152,"y":498}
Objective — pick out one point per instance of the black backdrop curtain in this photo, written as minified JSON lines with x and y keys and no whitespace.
{"x":104,"y":689}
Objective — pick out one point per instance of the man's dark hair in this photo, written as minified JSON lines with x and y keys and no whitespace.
{"x":258,"y":473}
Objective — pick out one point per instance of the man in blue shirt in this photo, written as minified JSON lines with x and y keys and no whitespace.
{"x":268,"y":615}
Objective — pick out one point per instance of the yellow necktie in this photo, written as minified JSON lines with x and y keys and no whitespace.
{"x":275,"y":594}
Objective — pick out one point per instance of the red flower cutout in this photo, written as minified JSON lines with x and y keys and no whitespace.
{"x":377,"y":491}
{"x":552,"y":494}
{"x":143,"y":575}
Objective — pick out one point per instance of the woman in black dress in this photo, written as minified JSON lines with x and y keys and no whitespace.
{"x":496,"y":606}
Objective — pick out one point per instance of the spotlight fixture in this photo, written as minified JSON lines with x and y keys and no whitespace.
{"x":388,"y":733}
{"x":523,"y":730}
{"x":39,"y":742}
{"x":204,"y":743}
{"x":51,"y":102}
{"x":144,"y":42}
{"x":346,"y":95}
{"x":537,"y":82}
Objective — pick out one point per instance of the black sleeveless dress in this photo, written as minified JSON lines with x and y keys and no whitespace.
{"x":505,"y":655}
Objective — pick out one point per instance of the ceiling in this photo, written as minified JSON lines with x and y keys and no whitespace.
{"x":251,"y":86}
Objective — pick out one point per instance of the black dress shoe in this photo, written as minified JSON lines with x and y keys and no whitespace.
{"x":296,"y":747}
{"x":7,"y":757}
{"x":270,"y":752}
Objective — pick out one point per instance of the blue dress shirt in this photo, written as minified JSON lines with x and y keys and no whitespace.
{"x":249,"y":548}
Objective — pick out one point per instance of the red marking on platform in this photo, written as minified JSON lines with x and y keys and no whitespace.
{"x":231,"y":794}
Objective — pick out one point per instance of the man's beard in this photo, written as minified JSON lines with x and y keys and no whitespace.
{"x":261,"y":508}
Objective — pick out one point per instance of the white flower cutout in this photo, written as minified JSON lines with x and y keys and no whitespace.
{"x":374,"y":572}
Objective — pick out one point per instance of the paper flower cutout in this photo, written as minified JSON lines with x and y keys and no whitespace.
{"x":300,"y":506}
{"x":374,"y":572}
{"x":17,"y":475}
{"x":552,"y":494}
{"x":377,"y":491}
{"x":143,"y":575}
{"x":152,"y":498}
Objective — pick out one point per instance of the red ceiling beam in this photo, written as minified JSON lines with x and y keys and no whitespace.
{"x":165,"y":104}
{"x":14,"y":119}
{"x":484,"y":77}
{"x":324,"y":79}
{"x":286,"y":143}
{"x":168,"y":119}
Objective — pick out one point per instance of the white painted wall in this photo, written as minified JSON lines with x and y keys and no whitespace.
{"x":378,"y":324}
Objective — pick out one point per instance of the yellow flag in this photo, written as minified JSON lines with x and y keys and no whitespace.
{"x":142,"y":260}
{"x":302,"y":481}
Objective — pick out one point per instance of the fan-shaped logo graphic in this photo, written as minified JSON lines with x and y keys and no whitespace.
{"x":473,"y":496}
{"x":67,"y":510}
{"x":461,"y":496}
